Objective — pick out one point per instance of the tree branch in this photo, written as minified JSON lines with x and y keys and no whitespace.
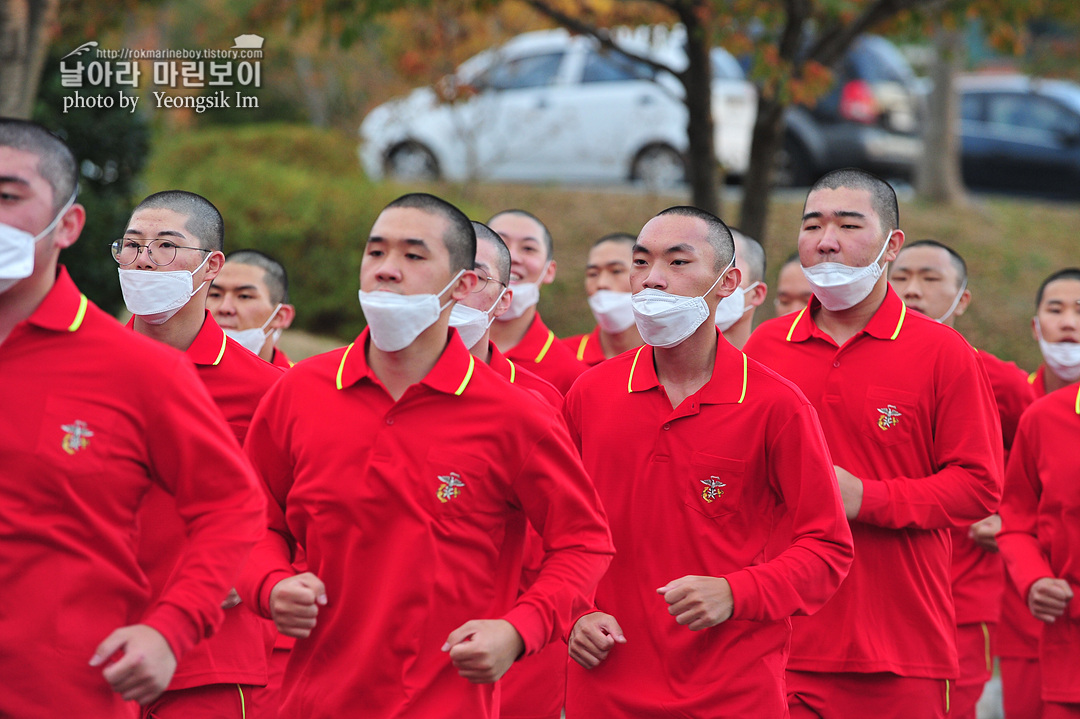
{"x":832,"y":45}
{"x":601,"y":35}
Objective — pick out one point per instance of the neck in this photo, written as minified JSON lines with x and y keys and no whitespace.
{"x":617,"y":343}
{"x":1052,"y":381}
{"x":21,"y":300}
{"x":402,"y":369}
{"x":739,"y":332}
{"x":180,"y":330}
{"x":482,"y":349}
{"x":842,"y":325}
{"x":506,"y":335}
{"x":267,"y":351}
{"x":685,"y":368}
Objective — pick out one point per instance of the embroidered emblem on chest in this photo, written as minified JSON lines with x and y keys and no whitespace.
{"x":889,"y":417}
{"x":450,"y":487}
{"x":714,"y":489}
{"x":77,"y":437}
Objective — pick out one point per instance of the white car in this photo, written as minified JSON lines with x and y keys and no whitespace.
{"x":550,"y":106}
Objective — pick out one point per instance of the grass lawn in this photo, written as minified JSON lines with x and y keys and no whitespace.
{"x":300,"y":194}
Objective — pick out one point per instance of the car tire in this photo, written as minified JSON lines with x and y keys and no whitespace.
{"x":793,"y":166}
{"x":411,"y":162}
{"x":659,"y":167}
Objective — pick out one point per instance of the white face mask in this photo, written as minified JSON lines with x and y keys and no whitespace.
{"x":254,"y":338}
{"x":1062,"y":357}
{"x":841,"y":287}
{"x":664,"y":320}
{"x":955,"y":302}
{"x":526,"y":295}
{"x":472,"y":323}
{"x":614,"y":311}
{"x":732,"y":308}
{"x":17,"y":249}
{"x":396,"y":320}
{"x":156,"y":296}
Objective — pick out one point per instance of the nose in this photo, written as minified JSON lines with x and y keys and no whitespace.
{"x":654,"y":278}
{"x":828,"y":241}
{"x":910,"y":289}
{"x":142,"y":262}
{"x":388,"y":271}
{"x":226,"y":306}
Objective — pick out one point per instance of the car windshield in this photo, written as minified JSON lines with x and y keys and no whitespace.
{"x":877,"y":60}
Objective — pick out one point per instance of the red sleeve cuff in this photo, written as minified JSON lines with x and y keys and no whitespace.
{"x":268,"y":584}
{"x":875,"y":501}
{"x":528,"y":623}
{"x":177,"y":627}
{"x":744,"y":595}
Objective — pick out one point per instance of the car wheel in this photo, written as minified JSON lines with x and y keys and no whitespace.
{"x":659,"y":167}
{"x":792,"y":167}
{"x":411,"y":161}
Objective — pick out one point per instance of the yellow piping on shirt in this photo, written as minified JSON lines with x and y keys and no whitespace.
{"x":341,"y":367}
{"x":468,"y":376}
{"x":547,"y":345}
{"x":77,"y":322}
{"x":630,"y":381}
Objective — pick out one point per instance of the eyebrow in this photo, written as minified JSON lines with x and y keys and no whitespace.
{"x":413,"y":241}
{"x":674,"y":249}
{"x":482,"y":266}
{"x":163,"y":233}
{"x":234,"y":288}
{"x":610,"y":263}
{"x":838,"y":213}
{"x":14,"y":179}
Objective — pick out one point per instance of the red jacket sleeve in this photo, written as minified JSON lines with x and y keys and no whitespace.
{"x":1018,"y":539}
{"x":805,"y":574}
{"x":271,"y":559}
{"x":967,"y":450}
{"x":218,"y":499}
{"x":562,"y":505}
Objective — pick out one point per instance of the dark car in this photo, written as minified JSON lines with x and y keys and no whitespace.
{"x":1020,"y":133}
{"x":868,"y":119}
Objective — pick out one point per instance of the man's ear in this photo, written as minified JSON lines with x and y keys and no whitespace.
{"x":213,"y":265}
{"x":284,"y":318}
{"x":69,"y":227}
{"x":962,"y":305}
{"x":729,"y":284}
{"x":757,"y":296}
{"x":548,"y":275}
{"x":464,"y":285}
{"x":896,"y":241}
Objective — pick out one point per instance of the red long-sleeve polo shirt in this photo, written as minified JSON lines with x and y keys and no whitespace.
{"x":413,"y":514}
{"x":736,"y":483}
{"x":93,"y":417}
{"x":1040,"y":535}
{"x":905,"y":406}
{"x":239,"y":652}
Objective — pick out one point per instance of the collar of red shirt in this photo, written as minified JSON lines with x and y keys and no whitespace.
{"x":501,"y":363}
{"x":884,"y":325}
{"x":726,"y":386}
{"x":536,"y":342}
{"x":64,"y":308}
{"x":450,"y":375}
{"x":209,"y":345}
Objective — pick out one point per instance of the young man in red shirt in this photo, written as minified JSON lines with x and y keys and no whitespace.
{"x":913,"y":431}
{"x":406,"y":470}
{"x":249,"y":299}
{"x":607,"y":285}
{"x":535,"y":686}
{"x":721,"y":497}
{"x":169,"y":255}
{"x":85,"y":403}
{"x":735,"y":315}
{"x":1040,"y":538}
{"x":932,"y":278}
{"x":519,"y":333}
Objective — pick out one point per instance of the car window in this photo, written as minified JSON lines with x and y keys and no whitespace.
{"x":521,"y":72}
{"x":613,"y":67}
{"x":724,"y":66}
{"x":1032,"y":113}
{"x":971,"y":107}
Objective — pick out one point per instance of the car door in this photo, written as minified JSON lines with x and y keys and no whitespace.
{"x":1022,"y":140}
{"x":507,"y":125}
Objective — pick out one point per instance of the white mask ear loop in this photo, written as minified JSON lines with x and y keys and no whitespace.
{"x":955,"y":302}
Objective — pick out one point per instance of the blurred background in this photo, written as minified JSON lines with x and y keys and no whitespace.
{"x":593,"y":115}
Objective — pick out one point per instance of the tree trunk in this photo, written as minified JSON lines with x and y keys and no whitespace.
{"x":758,"y":182}
{"x":938,"y":177}
{"x":24,"y":28}
{"x":702,"y":168}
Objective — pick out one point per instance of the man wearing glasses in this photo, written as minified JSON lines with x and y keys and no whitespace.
{"x":92,"y":416}
{"x":170,"y":253}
